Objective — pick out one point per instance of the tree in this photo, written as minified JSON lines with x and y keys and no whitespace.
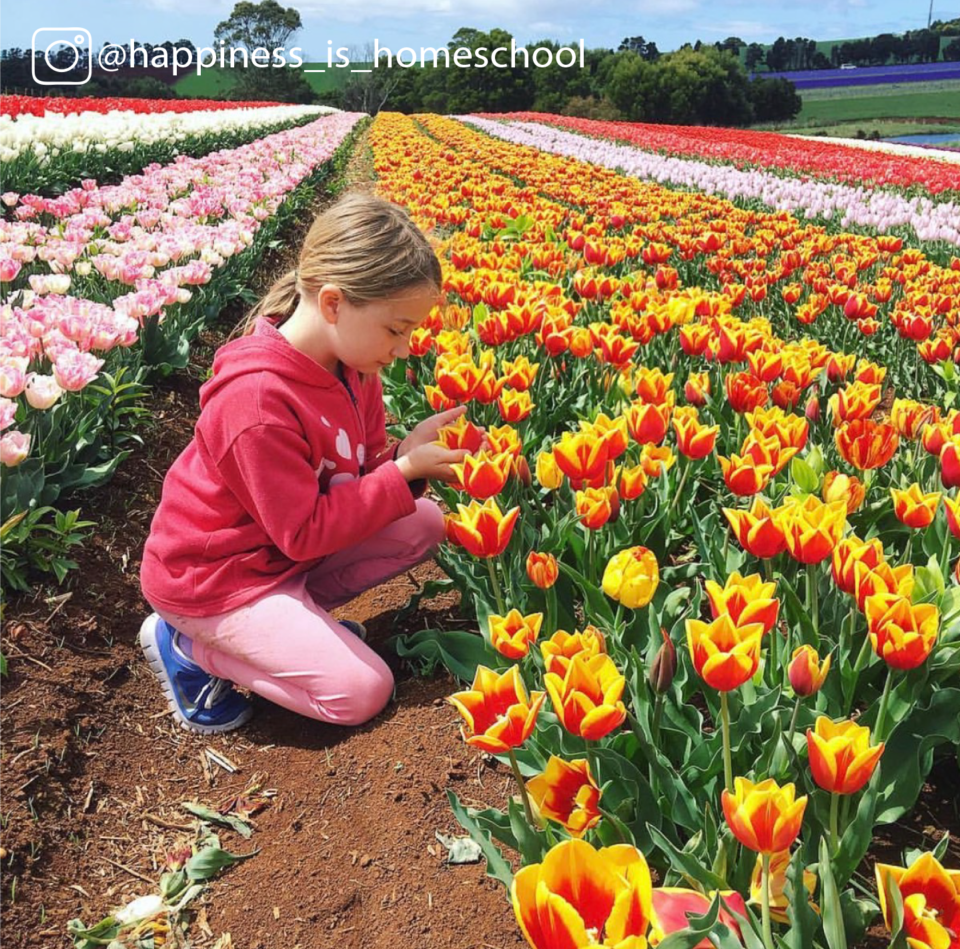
{"x":774,"y":100}
{"x":638,"y":45}
{"x":732,"y":44}
{"x":265,"y":25}
{"x":369,"y":92}
{"x":778,"y":55}
{"x":755,"y":57}
{"x":951,"y":52}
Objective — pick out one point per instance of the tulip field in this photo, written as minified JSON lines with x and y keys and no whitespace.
{"x":710,"y":560}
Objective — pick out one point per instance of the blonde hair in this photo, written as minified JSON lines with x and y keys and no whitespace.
{"x":366,"y":246}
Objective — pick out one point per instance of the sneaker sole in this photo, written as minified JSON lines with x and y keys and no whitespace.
{"x":148,"y":643}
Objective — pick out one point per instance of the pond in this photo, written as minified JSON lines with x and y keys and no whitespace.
{"x":935,"y":138}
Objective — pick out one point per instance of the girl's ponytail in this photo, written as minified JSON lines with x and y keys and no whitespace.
{"x":280,"y":300}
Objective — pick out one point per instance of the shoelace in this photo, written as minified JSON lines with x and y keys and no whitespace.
{"x":211,"y":693}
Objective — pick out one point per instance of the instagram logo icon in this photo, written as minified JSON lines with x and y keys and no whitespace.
{"x":62,"y":50}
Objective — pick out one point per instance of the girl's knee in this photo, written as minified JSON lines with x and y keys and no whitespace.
{"x":429,"y":530}
{"x":370,"y":689}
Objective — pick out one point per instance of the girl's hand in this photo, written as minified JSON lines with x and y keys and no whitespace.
{"x":431,"y":461}
{"x":427,"y":431}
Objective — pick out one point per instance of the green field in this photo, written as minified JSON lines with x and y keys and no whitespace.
{"x":825,"y":46}
{"x":214,"y":82}
{"x":895,"y":102}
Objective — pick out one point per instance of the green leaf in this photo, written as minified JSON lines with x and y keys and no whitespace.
{"x":804,"y":476}
{"x":830,"y":901}
{"x":210,"y":861}
{"x":595,"y":602}
{"x":458,"y":651}
{"x":497,"y":866}
{"x":804,"y":922}
{"x":697,"y":928}
{"x":215,"y":817}
{"x":685,"y":863}
{"x":859,"y":834}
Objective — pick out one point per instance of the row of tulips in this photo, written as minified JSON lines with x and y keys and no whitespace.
{"x":594,"y":528}
{"x":788,"y":154}
{"x":108,"y":285}
{"x":879,"y":210}
{"x":16,"y":105}
{"x":49,"y":153}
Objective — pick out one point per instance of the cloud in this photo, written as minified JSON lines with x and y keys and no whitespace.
{"x":741,"y":28}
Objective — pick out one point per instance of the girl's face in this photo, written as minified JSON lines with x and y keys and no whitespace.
{"x":371,"y":336}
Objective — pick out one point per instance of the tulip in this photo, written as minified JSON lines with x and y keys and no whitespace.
{"x":498,"y":715}
{"x":461,"y":434}
{"x":724,"y":654}
{"x":633,"y":482}
{"x":902,"y":633}
{"x":511,"y":635}
{"x":673,"y":904}
{"x":856,"y":401}
{"x":850,"y":552}
{"x":866,"y":444}
{"x":694,"y":439}
{"x":14,"y":448}
{"x":484,"y":475}
{"x":950,"y":463}
{"x":596,"y":506}
{"x":586,"y":698}
{"x":758,"y":531}
{"x":581,"y":457}
{"x":562,"y":646}
{"x":696,"y":390}
{"x":931,"y":901}
{"x":647,"y":423}
{"x":842,"y":759}
{"x":656,"y":460}
{"x":745,"y":392}
{"x":746,"y":600}
{"x":909,"y":416}
{"x":664,"y":665}
{"x":567,"y":793}
{"x":813,"y":529}
{"x":548,"y":474}
{"x":631,"y":577}
{"x":542,"y":569}
{"x":764,"y":817}
{"x":914,"y":508}
{"x":805,"y":672}
{"x":744,"y":476}
{"x":514,"y":406}
{"x":520,"y":373}
{"x":437,"y":400}
{"x":779,"y":864}
{"x":579,"y":896}
{"x":482,"y":529}
{"x":952,"y":507}
{"x":881,"y":579}
{"x":846,"y":488}
{"x":612,"y":431}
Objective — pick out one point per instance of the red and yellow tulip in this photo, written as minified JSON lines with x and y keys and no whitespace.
{"x":764,"y":817}
{"x":586,"y":698}
{"x":567,"y":793}
{"x":842,"y":759}
{"x":512,"y":635}
{"x":724,"y":654}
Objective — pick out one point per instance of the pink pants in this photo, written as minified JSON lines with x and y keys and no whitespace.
{"x":290,"y":650}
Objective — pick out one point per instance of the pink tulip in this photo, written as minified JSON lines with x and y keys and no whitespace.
{"x":8,"y":409}
{"x":9,"y":269}
{"x":9,"y":198}
{"x":73,"y":370}
{"x":14,"y":447}
{"x":12,"y":380}
{"x":42,"y":391}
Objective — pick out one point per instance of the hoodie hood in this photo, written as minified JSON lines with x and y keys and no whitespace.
{"x":267,"y":349}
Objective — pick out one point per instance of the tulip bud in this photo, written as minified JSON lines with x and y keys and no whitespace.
{"x":664,"y":665}
{"x":411,"y":376}
{"x":522,"y":470}
{"x":542,"y":569}
{"x":812,"y":410}
{"x":805,"y":672}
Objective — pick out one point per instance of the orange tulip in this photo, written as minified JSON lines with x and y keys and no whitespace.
{"x":567,"y":793}
{"x":746,"y":599}
{"x":764,"y":817}
{"x":596,"y":506}
{"x":931,"y":902}
{"x":484,"y":474}
{"x":910,"y":416}
{"x":696,"y":389}
{"x":847,"y":554}
{"x":758,"y":530}
{"x":866,"y":444}
{"x":902,"y":633}
{"x":950,"y":463}
{"x":562,"y":646}
{"x":846,"y":488}
{"x":767,"y":450}
{"x":586,"y":698}
{"x":633,"y":482}
{"x":483,"y":530}
{"x":952,"y":507}
{"x":791,"y":431}
{"x":504,"y":438}
{"x":855,"y":401}
{"x":581,"y":457}
{"x":653,"y":386}
{"x":813,"y":529}
{"x":724,"y":654}
{"x":459,"y":377}
{"x":520,"y":373}
{"x":841,"y":756}
{"x":511,"y":635}
{"x":745,"y":392}
{"x":913,"y":507}
{"x":805,"y":671}
{"x":542,"y":569}
{"x":461,"y":434}
{"x":580,"y":896}
{"x":779,"y":864}
{"x":656,"y":460}
{"x":673,"y":904}
{"x":744,"y":476}
{"x":514,"y":406}
{"x":647,"y":422}
{"x":496,"y":711}
{"x":612,"y":431}
{"x":881,"y":579}
{"x":694,"y":439}
{"x":437,"y":400}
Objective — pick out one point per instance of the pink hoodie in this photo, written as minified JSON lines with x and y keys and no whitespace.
{"x":287,"y":465}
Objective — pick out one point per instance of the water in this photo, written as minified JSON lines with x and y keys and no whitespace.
{"x":933,"y":138}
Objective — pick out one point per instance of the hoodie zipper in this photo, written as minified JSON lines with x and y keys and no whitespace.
{"x":356,"y":408}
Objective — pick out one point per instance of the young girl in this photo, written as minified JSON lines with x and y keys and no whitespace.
{"x":288,"y":502}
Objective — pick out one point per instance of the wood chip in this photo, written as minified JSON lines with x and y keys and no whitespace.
{"x":276,"y":912}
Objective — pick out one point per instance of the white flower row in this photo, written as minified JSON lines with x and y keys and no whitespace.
{"x":123,"y":131}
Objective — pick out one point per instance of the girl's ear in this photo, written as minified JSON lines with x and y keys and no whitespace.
{"x":329,"y":299}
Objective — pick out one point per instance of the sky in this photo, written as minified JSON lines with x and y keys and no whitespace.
{"x":416,"y":23}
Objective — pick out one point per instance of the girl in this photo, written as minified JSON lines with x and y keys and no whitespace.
{"x":288,"y":502}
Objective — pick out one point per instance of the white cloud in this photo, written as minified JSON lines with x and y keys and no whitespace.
{"x":741,"y":28}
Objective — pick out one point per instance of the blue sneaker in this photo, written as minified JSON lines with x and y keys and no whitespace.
{"x":199,"y":701}
{"x":358,"y":629}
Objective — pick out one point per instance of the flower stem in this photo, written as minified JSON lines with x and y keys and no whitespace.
{"x":679,"y":491}
{"x":727,"y":755}
{"x":793,"y":723}
{"x":765,"y":904}
{"x":496,"y":587}
{"x":527,"y":810}
{"x":858,"y":667}
{"x":813,"y":605}
{"x":884,"y":701}
{"x":551,"y":612}
{"x":834,"y":832}
{"x":657,"y":715}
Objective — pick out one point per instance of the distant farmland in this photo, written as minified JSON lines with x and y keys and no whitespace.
{"x":882,"y":102}
{"x":868,"y":75}
{"x":215,"y":82}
